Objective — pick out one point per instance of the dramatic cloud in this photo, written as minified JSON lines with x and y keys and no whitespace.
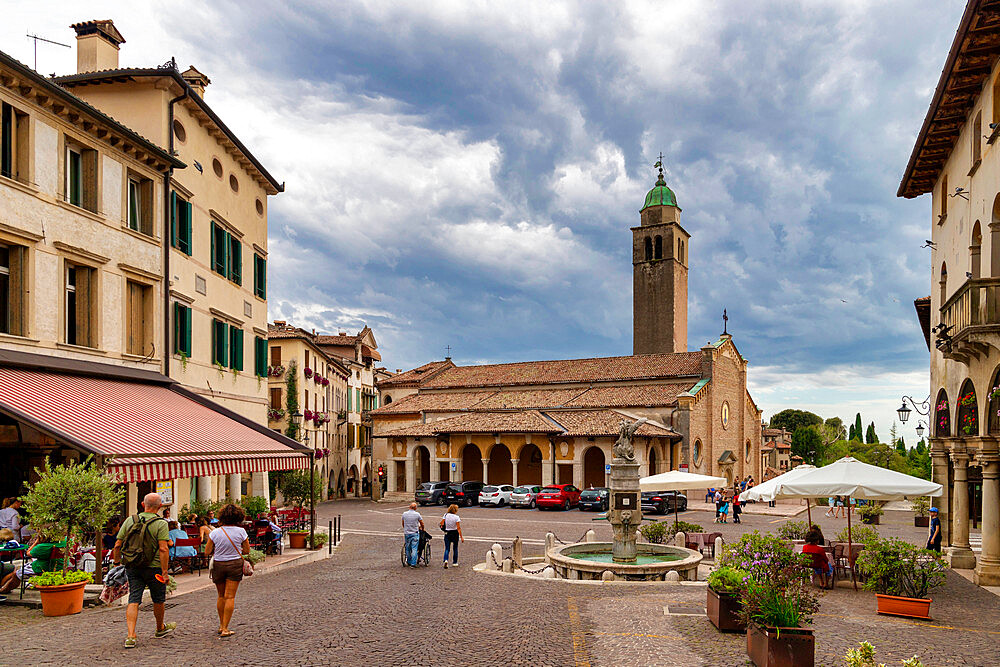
{"x":466,"y":173}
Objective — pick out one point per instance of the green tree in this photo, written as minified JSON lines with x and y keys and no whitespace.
{"x":807,"y":443}
{"x":791,"y":420}
{"x":291,"y":400}
{"x":870,"y":436}
{"x":859,"y":430}
{"x":921,"y":446}
{"x":853,"y":434}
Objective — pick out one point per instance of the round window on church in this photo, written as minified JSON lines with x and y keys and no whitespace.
{"x":696,"y":453}
{"x":725,"y":414}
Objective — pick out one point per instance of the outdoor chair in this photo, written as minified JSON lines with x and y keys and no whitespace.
{"x":193,"y":562}
{"x":711,"y":542}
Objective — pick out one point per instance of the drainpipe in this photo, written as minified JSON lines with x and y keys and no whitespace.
{"x":166,"y":232}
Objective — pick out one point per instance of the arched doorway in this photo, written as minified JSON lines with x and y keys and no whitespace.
{"x":968,"y":411}
{"x":651,"y":461}
{"x":422,"y":464}
{"x":340,"y":484}
{"x":529,"y":465}
{"x":942,"y":415}
{"x":593,"y":467}
{"x":975,"y":251}
{"x":352,"y":482}
{"x":472,"y":464}
{"x":499,"y":470}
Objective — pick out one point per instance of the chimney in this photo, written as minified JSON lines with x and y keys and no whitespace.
{"x":97,"y":45}
{"x":196,"y":80}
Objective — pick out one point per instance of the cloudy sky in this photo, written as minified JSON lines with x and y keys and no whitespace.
{"x":465,"y":173}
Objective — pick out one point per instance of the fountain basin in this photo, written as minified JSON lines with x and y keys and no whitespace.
{"x":589,"y":560}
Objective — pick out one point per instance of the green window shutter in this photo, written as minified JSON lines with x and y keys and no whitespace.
{"x":186,"y":231}
{"x":187,"y":331}
{"x":260,"y":276}
{"x":212,"y":258}
{"x":349,"y":399}
{"x":178,"y":335}
{"x":236,"y":260}
{"x":236,"y":348}
{"x":173,"y":219}
{"x":220,"y":342}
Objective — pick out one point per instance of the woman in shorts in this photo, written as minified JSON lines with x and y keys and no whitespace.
{"x":227,"y":544}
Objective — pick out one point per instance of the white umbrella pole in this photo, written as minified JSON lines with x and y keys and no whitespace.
{"x":850,"y":548}
{"x":676,"y":522}
{"x":809,"y":513}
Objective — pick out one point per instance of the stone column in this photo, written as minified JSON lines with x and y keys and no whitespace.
{"x":988,"y":570}
{"x":261,"y":485}
{"x":411,"y":475}
{"x":486,"y":464}
{"x":204,"y":491}
{"x":959,"y":554}
{"x":235,"y":486}
{"x":513,"y":466}
{"x":548,"y":466}
{"x":434,"y":471}
{"x":578,"y":474}
{"x":939,"y":475}
{"x":391,"y":472}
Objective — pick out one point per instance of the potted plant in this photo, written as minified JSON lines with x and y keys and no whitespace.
{"x":297,"y":539}
{"x":870,"y":513}
{"x":254,"y":506}
{"x":61,"y":592}
{"x":902,"y":576}
{"x":793,"y":530}
{"x":654,"y":533}
{"x":724,"y":587}
{"x":308,"y":372}
{"x":920,"y":506}
{"x":318,"y":540}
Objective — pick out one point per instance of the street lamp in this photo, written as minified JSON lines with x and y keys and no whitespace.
{"x":920,"y":428}
{"x":904,"y":412}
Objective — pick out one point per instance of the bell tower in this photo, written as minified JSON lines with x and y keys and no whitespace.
{"x":659,"y":274}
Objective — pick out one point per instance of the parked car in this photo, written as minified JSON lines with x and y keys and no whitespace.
{"x":498,"y":496}
{"x":463,"y":493}
{"x":595,"y":499}
{"x":430,"y":493}
{"x":558,"y":495}
{"x":661,"y":502}
{"x":524,"y":496}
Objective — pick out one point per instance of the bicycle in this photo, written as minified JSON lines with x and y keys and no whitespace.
{"x":423,"y":553}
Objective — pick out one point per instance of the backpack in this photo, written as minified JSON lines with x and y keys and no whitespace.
{"x":139,"y":549}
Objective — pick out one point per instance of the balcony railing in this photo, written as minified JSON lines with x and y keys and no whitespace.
{"x":972,"y":319}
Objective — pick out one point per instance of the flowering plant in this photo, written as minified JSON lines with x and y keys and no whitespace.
{"x":307,"y":415}
{"x":276,"y":371}
{"x":896,"y":567}
{"x":942,"y":414}
{"x":326,"y":382}
{"x":308,"y":372}
{"x":968,"y":399}
{"x":275,"y":414}
{"x":317,"y":379}
{"x":727,"y":580}
{"x":995,"y":393}
{"x":969,"y":423}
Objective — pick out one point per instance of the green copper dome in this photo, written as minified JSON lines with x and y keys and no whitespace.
{"x":660,"y":195}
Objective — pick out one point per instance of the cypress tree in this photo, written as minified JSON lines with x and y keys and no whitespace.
{"x":858,"y":428}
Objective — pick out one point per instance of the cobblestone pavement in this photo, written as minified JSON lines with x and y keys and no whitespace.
{"x":362,"y":608}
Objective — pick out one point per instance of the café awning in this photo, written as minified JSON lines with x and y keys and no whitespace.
{"x":143,"y":425}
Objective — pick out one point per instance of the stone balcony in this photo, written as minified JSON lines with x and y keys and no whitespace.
{"x":973,"y":315}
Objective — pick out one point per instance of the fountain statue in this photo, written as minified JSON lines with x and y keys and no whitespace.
{"x":625,"y":509}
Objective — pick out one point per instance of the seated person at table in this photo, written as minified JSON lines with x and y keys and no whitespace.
{"x":41,"y":550}
{"x":203,"y":530}
{"x":177,"y":534}
{"x":819,"y":533}
{"x":820,"y":563}
{"x":110,"y":533}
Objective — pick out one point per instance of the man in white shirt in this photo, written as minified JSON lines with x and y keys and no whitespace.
{"x":413,"y":523}
{"x":9,"y":517}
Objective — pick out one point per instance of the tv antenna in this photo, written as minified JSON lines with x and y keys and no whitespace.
{"x":47,"y":41}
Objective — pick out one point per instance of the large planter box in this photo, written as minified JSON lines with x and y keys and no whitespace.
{"x":723,"y":610}
{"x":921,"y":521}
{"x":871,"y":520}
{"x":781,"y":647}
{"x":297,"y":540}
{"x":895,"y":605}
{"x":62,"y":600}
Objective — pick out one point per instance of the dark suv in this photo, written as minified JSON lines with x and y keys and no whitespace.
{"x":463,"y":493}
{"x":661,"y":502}
{"x":430,"y":493}
{"x":594,"y":499}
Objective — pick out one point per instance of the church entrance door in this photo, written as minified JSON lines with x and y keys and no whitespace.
{"x":500,"y":470}
{"x":651,"y":470}
{"x":593,"y":467}
{"x":422,"y":464}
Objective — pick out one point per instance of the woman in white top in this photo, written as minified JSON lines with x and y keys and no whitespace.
{"x":452,"y":527}
{"x":227,"y":544}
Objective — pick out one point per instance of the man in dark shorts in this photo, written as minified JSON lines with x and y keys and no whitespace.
{"x":141,"y":570}
{"x":934,"y":532}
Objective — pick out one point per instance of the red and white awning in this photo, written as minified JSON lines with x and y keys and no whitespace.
{"x":147,"y":431}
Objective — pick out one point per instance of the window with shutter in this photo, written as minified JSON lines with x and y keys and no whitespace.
{"x":182,"y":330}
{"x":236,"y":348}
{"x":260,"y":356}
{"x":74,"y":176}
{"x":12,"y":294}
{"x":220,"y":342}
{"x":79,"y":305}
{"x":89,"y":182}
{"x":275,"y":355}
{"x":259,"y":276}
{"x":276,"y":398}
{"x":220,"y":250}
{"x":235,"y":259}
{"x":138,"y":308}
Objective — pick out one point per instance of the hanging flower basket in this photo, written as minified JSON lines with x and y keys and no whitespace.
{"x":969,"y":423}
{"x":308,"y":372}
{"x":275,"y":414}
{"x":276,"y":371}
{"x":307,"y":415}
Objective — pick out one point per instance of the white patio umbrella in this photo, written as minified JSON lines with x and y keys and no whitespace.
{"x":766,"y":490}
{"x":676,"y":480}
{"x":850,"y":477}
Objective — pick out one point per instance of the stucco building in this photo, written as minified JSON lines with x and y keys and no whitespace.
{"x":775,"y":452}
{"x":546,"y":422}
{"x":956,"y":161}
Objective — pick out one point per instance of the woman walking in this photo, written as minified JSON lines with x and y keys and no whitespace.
{"x":227,"y":544}
{"x":452,"y":527}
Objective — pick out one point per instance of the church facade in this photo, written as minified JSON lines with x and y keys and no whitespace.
{"x":555,"y":422}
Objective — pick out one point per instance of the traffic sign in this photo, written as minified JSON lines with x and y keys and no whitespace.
{"x":607,"y":468}
{"x":454,"y":466}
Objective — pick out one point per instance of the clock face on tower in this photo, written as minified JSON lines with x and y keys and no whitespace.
{"x":725,"y":414}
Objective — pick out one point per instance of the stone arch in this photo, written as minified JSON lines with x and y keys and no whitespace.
{"x":975,"y":250}
{"x":500,"y":469}
{"x":968,"y":411}
{"x":472,"y":463}
{"x":341,"y":491}
{"x":649,"y":248}
{"x":593,"y":467}
{"x":993,"y":405}
{"x":942,"y":415}
{"x":652,"y":460}
{"x":529,"y":464}
{"x":387,"y":399}
{"x":353,"y":488}
{"x":421,"y":459}
{"x":658,"y":248}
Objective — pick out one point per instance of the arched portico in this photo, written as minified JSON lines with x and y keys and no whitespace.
{"x":500,"y":469}
{"x":529,"y":465}
{"x":472,"y":463}
{"x":652,"y":461}
{"x":593,"y":467}
{"x":421,"y":466}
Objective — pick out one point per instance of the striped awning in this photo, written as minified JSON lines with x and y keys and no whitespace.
{"x":145,"y":430}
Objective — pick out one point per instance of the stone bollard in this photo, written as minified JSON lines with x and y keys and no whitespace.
{"x":489,"y":560}
{"x":497,"y":554}
{"x":638,"y":535}
{"x":607,"y":575}
{"x":680,"y":539}
{"x":591,"y":536}
{"x":550,"y":541}
{"x":518,"y":552}
{"x":718,"y":548}
{"x":549,"y":573}
{"x":673,"y":576}
{"x":508,"y":566}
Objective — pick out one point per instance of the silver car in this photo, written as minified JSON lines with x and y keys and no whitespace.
{"x":524,"y":496}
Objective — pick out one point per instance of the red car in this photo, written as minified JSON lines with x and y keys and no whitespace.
{"x":558,"y":495}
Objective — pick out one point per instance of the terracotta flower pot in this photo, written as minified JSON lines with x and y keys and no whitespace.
{"x":895,"y":605}
{"x":871,"y":520}
{"x":723,"y":610}
{"x":781,"y":647}
{"x":921,"y":521}
{"x":62,"y":600}
{"x":297,"y":540}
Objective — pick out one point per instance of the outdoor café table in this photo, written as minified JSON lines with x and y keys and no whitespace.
{"x":700,"y":540}
{"x":23,"y":550}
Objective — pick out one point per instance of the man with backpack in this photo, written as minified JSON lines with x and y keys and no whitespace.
{"x":142,"y":547}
